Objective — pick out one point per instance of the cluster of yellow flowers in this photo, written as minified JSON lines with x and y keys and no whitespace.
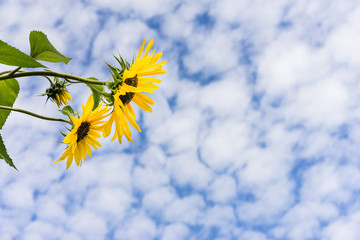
{"x":91,"y":125}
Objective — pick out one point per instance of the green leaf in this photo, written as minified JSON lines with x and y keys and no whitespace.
{"x":42,"y":49}
{"x":9,"y":90}
{"x":96,"y":91}
{"x":67,"y":110}
{"x":4,"y":155}
{"x":14,"y":57}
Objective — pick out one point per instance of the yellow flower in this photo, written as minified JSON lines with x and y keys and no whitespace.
{"x":84,"y":133}
{"x":62,"y":98}
{"x":58,"y":93}
{"x":135,"y":81}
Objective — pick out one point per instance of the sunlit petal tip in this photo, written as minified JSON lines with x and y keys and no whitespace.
{"x":148,"y":47}
{"x":58,"y":161}
{"x":141,"y":49}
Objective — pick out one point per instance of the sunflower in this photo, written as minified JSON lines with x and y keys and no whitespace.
{"x":84,"y":133}
{"x":58,"y":93}
{"x":136,"y":80}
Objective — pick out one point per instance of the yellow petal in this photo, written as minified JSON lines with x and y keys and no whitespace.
{"x":88,"y":149}
{"x":130,"y":109}
{"x":129,"y":74}
{"x":73,"y":146}
{"x":94,"y":143}
{"x":148,"y":85}
{"x":108,"y":125}
{"x":142,"y":105}
{"x":149,"y":80}
{"x":156,"y":57}
{"x":127,"y":88}
{"x":91,"y":143}
{"x":144,"y":89}
{"x":67,"y":95}
{"x":141,"y":49}
{"x":77,"y":155}
{"x":115,"y":136}
{"x":82,"y":150}
{"x":142,"y":97}
{"x":93,"y":134}
{"x":69,"y":160}
{"x":152,"y":72}
{"x":148,"y":47}
{"x":89,"y":106}
{"x":63,"y":156}
{"x":132,"y":121}
{"x":70,"y":137}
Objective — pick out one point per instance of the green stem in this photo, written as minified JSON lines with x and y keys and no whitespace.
{"x":14,"y":71}
{"x":9,"y":72}
{"x":34,"y":114}
{"x":51,"y":83}
{"x":52,"y":74}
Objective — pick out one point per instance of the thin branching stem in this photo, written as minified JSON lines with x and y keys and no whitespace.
{"x":34,"y":114}
{"x":52,"y":74}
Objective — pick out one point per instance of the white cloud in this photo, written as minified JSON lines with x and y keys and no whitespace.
{"x":125,"y":37}
{"x":260,"y":167}
{"x":88,"y":224}
{"x":176,"y":231}
{"x":186,"y":210}
{"x":304,"y":220}
{"x":253,"y":235}
{"x":146,"y":179}
{"x":329,"y":182}
{"x":153,"y":157}
{"x":137,"y":227}
{"x":8,"y":230}
{"x":223,"y":189}
{"x":223,"y":143}
{"x":287,"y":64}
{"x":213,"y":53}
{"x":113,"y":202}
{"x":312,"y":22}
{"x":185,"y":168}
{"x":322,"y":104}
{"x":343,"y":228}
{"x":50,"y":210}
{"x":340,"y":41}
{"x":227,"y":97}
{"x":17,"y":195}
{"x":182,"y":136}
{"x":107,"y":170}
{"x":270,"y":200}
{"x":41,"y":230}
{"x":246,"y":16}
{"x":137,"y":8}
{"x":156,"y":201}
{"x":184,"y":19}
{"x":221,"y":217}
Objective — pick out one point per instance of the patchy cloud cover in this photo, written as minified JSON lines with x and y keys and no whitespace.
{"x":254,"y":135}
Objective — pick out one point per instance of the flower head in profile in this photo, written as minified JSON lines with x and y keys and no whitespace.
{"x":136,"y":80}
{"x":58,"y":93}
{"x":84,"y":133}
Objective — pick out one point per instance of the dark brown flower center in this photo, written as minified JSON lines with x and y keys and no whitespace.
{"x":125,"y":99}
{"x":82,"y":131}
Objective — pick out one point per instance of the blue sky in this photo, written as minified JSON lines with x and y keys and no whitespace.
{"x":255,"y":133}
